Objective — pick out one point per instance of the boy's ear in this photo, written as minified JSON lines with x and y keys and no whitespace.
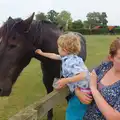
{"x":65,"y":50}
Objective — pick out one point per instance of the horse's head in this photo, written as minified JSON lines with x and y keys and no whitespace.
{"x":14,"y":51}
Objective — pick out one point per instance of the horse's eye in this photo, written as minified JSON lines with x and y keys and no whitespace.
{"x":12,"y":46}
{"x":14,"y":37}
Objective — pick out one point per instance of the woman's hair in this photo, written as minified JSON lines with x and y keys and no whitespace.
{"x":114,"y":47}
{"x":70,"y":42}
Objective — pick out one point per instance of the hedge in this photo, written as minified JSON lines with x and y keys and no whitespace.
{"x":96,"y":31}
{"x":82,"y":31}
{"x":117,"y":30}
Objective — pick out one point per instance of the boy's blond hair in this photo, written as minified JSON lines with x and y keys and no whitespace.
{"x":70,"y":42}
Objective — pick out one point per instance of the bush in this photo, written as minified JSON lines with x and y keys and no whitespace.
{"x":96,"y":31}
{"x":100,"y":31}
{"x":82,"y":31}
{"x":117,"y":30}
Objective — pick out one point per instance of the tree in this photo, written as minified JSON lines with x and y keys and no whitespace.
{"x":103,"y":19}
{"x":85,"y":24}
{"x":96,"y":19}
{"x":64,"y":19}
{"x":93,"y":19}
{"x":77,"y":24}
{"x":52,"y":16}
{"x":41,"y":16}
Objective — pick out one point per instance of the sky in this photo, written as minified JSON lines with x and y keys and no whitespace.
{"x":77,"y":8}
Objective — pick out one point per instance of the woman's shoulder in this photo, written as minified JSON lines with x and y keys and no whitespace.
{"x":106,"y":63}
{"x":104,"y":66}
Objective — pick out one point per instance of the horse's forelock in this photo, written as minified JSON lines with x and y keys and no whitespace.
{"x":7,"y":26}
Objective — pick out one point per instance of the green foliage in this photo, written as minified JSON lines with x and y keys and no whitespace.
{"x":52,"y":16}
{"x":85,"y":24}
{"x":41,"y":16}
{"x":64,"y":19}
{"x":117,"y":30}
{"x":103,"y":19}
{"x":93,"y":19}
{"x":95,"y":31}
{"x":100,"y":31}
{"x":96,"y":19}
{"x":82,"y":31}
{"x":77,"y":24}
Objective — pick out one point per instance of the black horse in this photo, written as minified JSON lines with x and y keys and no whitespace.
{"x":18,"y":41}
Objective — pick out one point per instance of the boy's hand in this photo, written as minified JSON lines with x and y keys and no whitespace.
{"x":61,"y":83}
{"x":38,"y":51}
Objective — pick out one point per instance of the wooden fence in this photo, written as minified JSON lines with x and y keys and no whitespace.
{"x":37,"y":110}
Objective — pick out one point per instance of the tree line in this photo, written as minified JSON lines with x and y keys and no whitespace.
{"x":64,"y":20}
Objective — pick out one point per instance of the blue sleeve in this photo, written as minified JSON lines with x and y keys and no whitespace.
{"x":117,"y":105}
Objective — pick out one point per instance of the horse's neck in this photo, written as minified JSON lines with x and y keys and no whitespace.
{"x":35,"y":34}
{"x":44,"y":36}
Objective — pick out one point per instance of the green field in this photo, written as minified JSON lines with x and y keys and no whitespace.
{"x":29,"y":86}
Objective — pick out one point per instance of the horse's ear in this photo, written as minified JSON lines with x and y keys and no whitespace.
{"x":24,"y":25}
{"x":28,"y":22}
{"x":10,"y":18}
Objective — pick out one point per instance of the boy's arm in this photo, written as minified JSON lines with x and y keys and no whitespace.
{"x":78,"y":70}
{"x":48,"y":55}
{"x":64,"y":81}
{"x":77,"y":77}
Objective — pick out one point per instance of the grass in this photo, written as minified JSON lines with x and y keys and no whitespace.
{"x":29,"y":86}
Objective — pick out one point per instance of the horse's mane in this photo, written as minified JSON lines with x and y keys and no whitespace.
{"x":49,"y":22}
{"x":46,"y":21}
{"x":35,"y":26}
{"x":9,"y":23}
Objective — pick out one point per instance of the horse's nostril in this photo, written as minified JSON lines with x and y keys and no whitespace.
{"x":1,"y":90}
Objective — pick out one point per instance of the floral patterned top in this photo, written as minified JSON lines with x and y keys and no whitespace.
{"x":72,"y":65}
{"x":110,"y":93}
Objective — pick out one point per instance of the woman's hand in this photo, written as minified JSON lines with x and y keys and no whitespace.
{"x":93,"y":80}
{"x":83,"y":97}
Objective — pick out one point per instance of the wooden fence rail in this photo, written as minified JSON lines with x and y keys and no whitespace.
{"x":37,"y":110}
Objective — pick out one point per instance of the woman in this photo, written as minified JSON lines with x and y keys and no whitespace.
{"x":105,"y":87}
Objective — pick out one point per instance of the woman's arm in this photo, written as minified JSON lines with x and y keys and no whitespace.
{"x":109,"y":112}
{"x":49,"y":55}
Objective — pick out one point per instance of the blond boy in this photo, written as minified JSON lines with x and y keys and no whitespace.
{"x":74,"y":71}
